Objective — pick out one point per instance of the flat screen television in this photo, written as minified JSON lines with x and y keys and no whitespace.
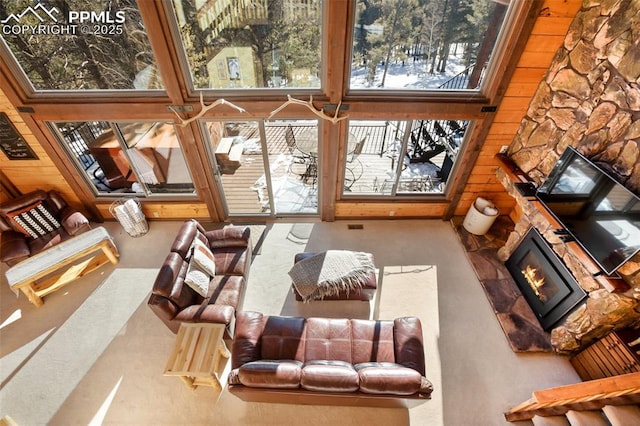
{"x":601,"y":214}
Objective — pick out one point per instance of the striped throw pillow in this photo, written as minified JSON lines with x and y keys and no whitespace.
{"x":35,"y":220}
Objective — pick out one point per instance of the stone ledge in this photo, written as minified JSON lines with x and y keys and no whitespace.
{"x":517,"y":320}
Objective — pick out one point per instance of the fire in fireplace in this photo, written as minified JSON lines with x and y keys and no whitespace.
{"x":545,"y":282}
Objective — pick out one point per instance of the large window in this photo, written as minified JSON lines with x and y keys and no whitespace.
{"x":144,"y":158}
{"x":423,"y":45}
{"x":79,"y":44}
{"x":266,"y":167}
{"x":249,"y":44}
{"x":388,"y":158}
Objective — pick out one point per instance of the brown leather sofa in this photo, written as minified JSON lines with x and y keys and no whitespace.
{"x":364,"y":293}
{"x":328,"y":361}
{"x":175,"y":302}
{"x":26,"y":228}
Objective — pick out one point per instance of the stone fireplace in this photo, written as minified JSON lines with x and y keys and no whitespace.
{"x":589,"y":99}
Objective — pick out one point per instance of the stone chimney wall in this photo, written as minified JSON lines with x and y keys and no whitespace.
{"x":589,"y":99}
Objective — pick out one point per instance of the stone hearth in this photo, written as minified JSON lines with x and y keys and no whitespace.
{"x":518,"y":322}
{"x":611,"y":303}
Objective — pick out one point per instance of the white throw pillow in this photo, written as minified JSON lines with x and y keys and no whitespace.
{"x":198,"y":279}
{"x":204,"y":258}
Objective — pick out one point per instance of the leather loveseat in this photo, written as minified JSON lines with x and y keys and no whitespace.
{"x":174,"y":302}
{"x":328,"y":361}
{"x":34,"y":222}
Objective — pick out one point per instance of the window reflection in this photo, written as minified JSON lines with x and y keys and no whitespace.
{"x":251,"y":43}
{"x":119,"y":158}
{"x":58,"y":51}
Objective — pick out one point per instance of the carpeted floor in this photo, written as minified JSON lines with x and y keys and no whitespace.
{"x":94,"y":353}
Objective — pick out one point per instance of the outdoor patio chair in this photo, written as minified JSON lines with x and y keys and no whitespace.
{"x":354,"y":168}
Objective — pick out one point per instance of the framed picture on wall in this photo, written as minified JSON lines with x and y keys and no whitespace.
{"x":233,"y":64}
{"x":12,"y":143}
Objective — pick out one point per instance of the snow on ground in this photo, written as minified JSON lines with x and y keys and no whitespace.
{"x":411,"y":75}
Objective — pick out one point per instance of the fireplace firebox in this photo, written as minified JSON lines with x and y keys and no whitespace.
{"x":545,"y":282}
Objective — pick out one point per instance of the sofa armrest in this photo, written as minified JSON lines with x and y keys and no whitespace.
{"x":73,"y":221}
{"x":229,"y":236}
{"x":409,"y":347}
{"x":13,"y":247}
{"x":247,"y":338}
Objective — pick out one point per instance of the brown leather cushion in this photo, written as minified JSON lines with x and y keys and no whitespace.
{"x":281,"y":374}
{"x":329,"y":376}
{"x":388,"y":378}
{"x":372,"y":341}
{"x":328,"y":338}
{"x":282,"y":338}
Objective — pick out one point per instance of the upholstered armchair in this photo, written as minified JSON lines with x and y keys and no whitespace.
{"x":34,"y":222}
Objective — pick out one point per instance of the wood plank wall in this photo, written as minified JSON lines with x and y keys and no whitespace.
{"x":29,"y":175}
{"x":546,"y":38}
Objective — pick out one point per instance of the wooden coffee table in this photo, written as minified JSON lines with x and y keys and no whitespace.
{"x":196,"y":355}
{"x":61,"y":264}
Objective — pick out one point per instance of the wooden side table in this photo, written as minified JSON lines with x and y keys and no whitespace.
{"x":196,"y":355}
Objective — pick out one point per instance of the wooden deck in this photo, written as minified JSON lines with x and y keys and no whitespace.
{"x":371,"y":173}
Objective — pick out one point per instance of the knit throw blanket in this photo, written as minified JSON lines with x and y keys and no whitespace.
{"x":329,"y":272}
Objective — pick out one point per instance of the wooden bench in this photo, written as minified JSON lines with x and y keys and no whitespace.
{"x":61,"y":264}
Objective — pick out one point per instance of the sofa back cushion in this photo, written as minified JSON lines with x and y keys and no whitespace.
{"x":184,"y":240}
{"x":372,"y":341}
{"x":169,"y":282}
{"x":328,"y":339}
{"x":283,"y":338}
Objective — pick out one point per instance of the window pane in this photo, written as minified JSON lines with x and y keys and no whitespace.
{"x":142,"y":158}
{"x":252,"y":43}
{"x":156,"y":157}
{"x":267,"y":167}
{"x":379,"y":162}
{"x":87,"y":45}
{"x":423,"y":45}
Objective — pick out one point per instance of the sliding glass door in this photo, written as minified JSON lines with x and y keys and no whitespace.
{"x":266,"y":167}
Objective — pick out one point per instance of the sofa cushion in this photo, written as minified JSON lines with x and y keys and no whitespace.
{"x":232,"y":260}
{"x":283,"y":338}
{"x":372,"y":341}
{"x":280,"y":374}
{"x":329,"y":376}
{"x":169,"y":282}
{"x":388,"y":378}
{"x":227,"y":290}
{"x":328,"y":338}
{"x":35,"y":220}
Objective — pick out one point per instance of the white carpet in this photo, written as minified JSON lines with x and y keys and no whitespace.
{"x":45,"y":381}
{"x":95,"y":353}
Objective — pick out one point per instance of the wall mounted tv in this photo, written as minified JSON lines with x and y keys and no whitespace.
{"x":601,"y":214}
